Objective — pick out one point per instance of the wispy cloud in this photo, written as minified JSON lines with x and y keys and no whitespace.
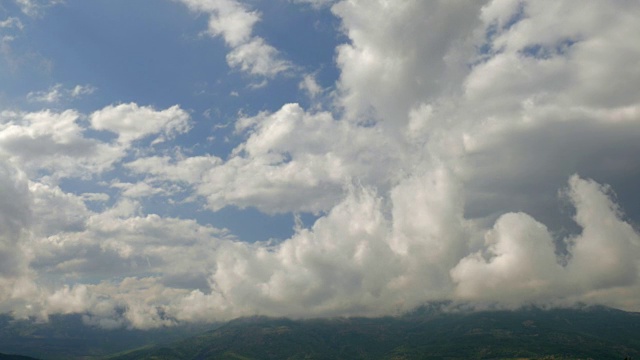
{"x":11,"y":22}
{"x":58,"y":93}
{"x":36,"y":7}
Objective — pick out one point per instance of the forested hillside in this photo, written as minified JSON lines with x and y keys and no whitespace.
{"x":596,"y":333}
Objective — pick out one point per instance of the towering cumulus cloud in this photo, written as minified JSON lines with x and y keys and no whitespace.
{"x":463,"y":154}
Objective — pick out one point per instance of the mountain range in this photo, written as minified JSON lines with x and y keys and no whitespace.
{"x":426,"y":333}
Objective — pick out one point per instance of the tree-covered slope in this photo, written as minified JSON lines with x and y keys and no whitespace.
{"x":15,"y":357}
{"x":597,"y":333}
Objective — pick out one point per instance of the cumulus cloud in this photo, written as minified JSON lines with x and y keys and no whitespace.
{"x":133,"y":122}
{"x":257,"y":58}
{"x":232,"y":20}
{"x":56,"y":142}
{"x":14,"y":217}
{"x":400,"y":55}
{"x":434,"y":176}
{"x":47,"y":140}
{"x":291,"y":161}
{"x":364,"y":257}
{"x":521,"y":263}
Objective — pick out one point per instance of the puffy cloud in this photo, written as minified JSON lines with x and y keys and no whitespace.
{"x":452,"y":119}
{"x":133,"y":122}
{"x":229,"y":19}
{"x":362,"y":258}
{"x":315,"y":150}
{"x":56,"y":142}
{"x":367,"y":256}
{"x":521,"y":263}
{"x":14,"y":218}
{"x":543,"y":88}
{"x":548,"y":56}
{"x":71,"y":212}
{"x":47,"y":140}
{"x":234,"y":22}
{"x":111,"y":244}
{"x":606,"y":253}
{"x":434,"y":176}
{"x":188,"y":170}
{"x":257,"y":58}
{"x":291,"y":161}
{"x":400,"y":55}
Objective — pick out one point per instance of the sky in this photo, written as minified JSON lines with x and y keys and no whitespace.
{"x":173,"y":161}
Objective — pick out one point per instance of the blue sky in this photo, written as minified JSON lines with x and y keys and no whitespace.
{"x":162,"y":58}
{"x":199,"y":160}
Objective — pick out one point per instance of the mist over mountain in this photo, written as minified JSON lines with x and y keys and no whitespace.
{"x":69,"y":337}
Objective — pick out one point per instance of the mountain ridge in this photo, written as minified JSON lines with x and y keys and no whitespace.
{"x":433,"y":331}
{"x":594,"y":332}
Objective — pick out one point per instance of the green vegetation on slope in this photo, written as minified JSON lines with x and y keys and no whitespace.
{"x":597,"y":333}
{"x":15,"y":357}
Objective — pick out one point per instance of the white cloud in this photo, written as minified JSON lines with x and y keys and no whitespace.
{"x":290,"y":161}
{"x":14,"y":218}
{"x":12,"y":22}
{"x":36,"y":7}
{"x":229,"y":19}
{"x":58,"y":93}
{"x":71,"y":212}
{"x":257,"y":58}
{"x":189,"y":170}
{"x":605,"y":254}
{"x":522,"y":265}
{"x":435,"y":177}
{"x":137,"y":190}
{"x":401,"y":54}
{"x":132,"y":122}
{"x":316,"y":3}
{"x":310,"y":85}
{"x":51,"y":141}
{"x":234,"y":22}
{"x":357,"y":260}
{"x":56,"y":143}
